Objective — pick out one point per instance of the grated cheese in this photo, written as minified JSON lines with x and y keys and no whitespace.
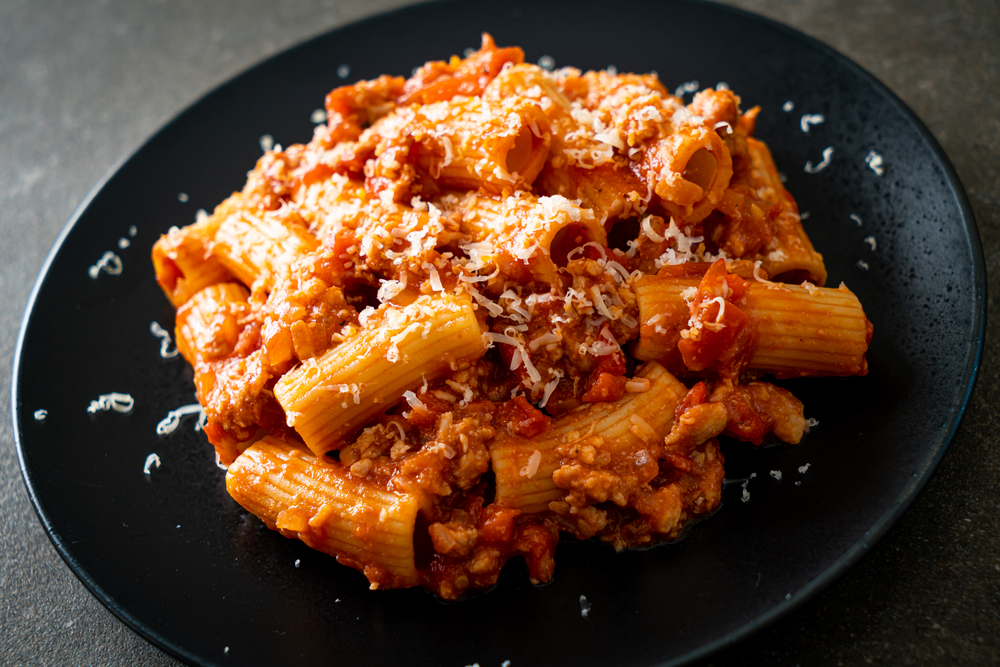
{"x":414,"y":402}
{"x":689,"y":87}
{"x":550,"y":387}
{"x":151,"y":460}
{"x":109,"y":262}
{"x":647,"y":229}
{"x":810,"y":119}
{"x":870,"y":240}
{"x":641,"y":429}
{"x":602,"y":307}
{"x":802,"y":469}
{"x":874,"y":161}
{"x":637,"y":385}
{"x":856,"y":218}
{"x":827,"y":158}
{"x":118,"y":402}
{"x":165,"y":341}
{"x":532,"y":467}
{"x":169,"y":424}
{"x":40,"y":415}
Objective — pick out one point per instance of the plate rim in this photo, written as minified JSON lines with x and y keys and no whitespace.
{"x":820,"y":582}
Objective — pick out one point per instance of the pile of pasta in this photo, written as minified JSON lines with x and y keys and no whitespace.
{"x":490,"y":304}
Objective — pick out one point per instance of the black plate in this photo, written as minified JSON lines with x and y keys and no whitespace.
{"x":179,"y":562}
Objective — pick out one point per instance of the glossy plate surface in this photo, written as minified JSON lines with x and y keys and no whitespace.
{"x":177,"y":560}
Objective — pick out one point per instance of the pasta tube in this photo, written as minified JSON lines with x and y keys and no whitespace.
{"x":800,"y":331}
{"x":790,"y":255}
{"x":524,"y":467}
{"x":329,"y":397}
{"x":183,"y":261}
{"x":319,"y":502}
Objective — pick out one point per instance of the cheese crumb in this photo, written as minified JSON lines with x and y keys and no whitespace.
{"x":827,"y":157}
{"x":165,"y":342}
{"x":584,"y":606}
{"x":40,"y":415}
{"x":802,"y":469}
{"x":114,"y":401}
{"x":109,"y":262}
{"x":151,"y":460}
{"x":776,"y":474}
{"x":169,"y":424}
{"x":532,"y":467}
{"x":810,"y":119}
{"x":788,"y":106}
{"x":874,"y":161}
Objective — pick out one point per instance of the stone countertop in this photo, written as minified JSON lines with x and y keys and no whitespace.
{"x":82,"y":84}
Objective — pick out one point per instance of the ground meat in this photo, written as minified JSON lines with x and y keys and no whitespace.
{"x":454,"y":457}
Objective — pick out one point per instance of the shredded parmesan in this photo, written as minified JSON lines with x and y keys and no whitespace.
{"x":637,"y":385}
{"x":165,"y":342}
{"x":647,"y":229}
{"x":689,"y":87}
{"x":109,"y":262}
{"x":641,"y":429}
{"x":170,"y":423}
{"x":803,"y":469}
{"x":413,"y":401}
{"x":532,"y":467}
{"x":550,"y":387}
{"x":811,"y":119}
{"x":151,"y":460}
{"x":114,"y":401}
{"x":602,"y":307}
{"x":40,"y":415}
{"x":874,"y":161}
{"x":827,"y":158}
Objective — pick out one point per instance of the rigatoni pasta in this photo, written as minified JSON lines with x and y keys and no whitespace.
{"x":490,"y":304}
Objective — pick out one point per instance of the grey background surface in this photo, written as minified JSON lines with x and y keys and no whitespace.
{"x":82,"y":84}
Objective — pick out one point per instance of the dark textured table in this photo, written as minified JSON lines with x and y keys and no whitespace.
{"x":82,"y":84}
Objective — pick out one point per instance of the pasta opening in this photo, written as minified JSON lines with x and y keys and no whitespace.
{"x":168,"y":274}
{"x":565,"y":241}
{"x":519,"y":155}
{"x":423,"y":547}
{"x":701,"y":169}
